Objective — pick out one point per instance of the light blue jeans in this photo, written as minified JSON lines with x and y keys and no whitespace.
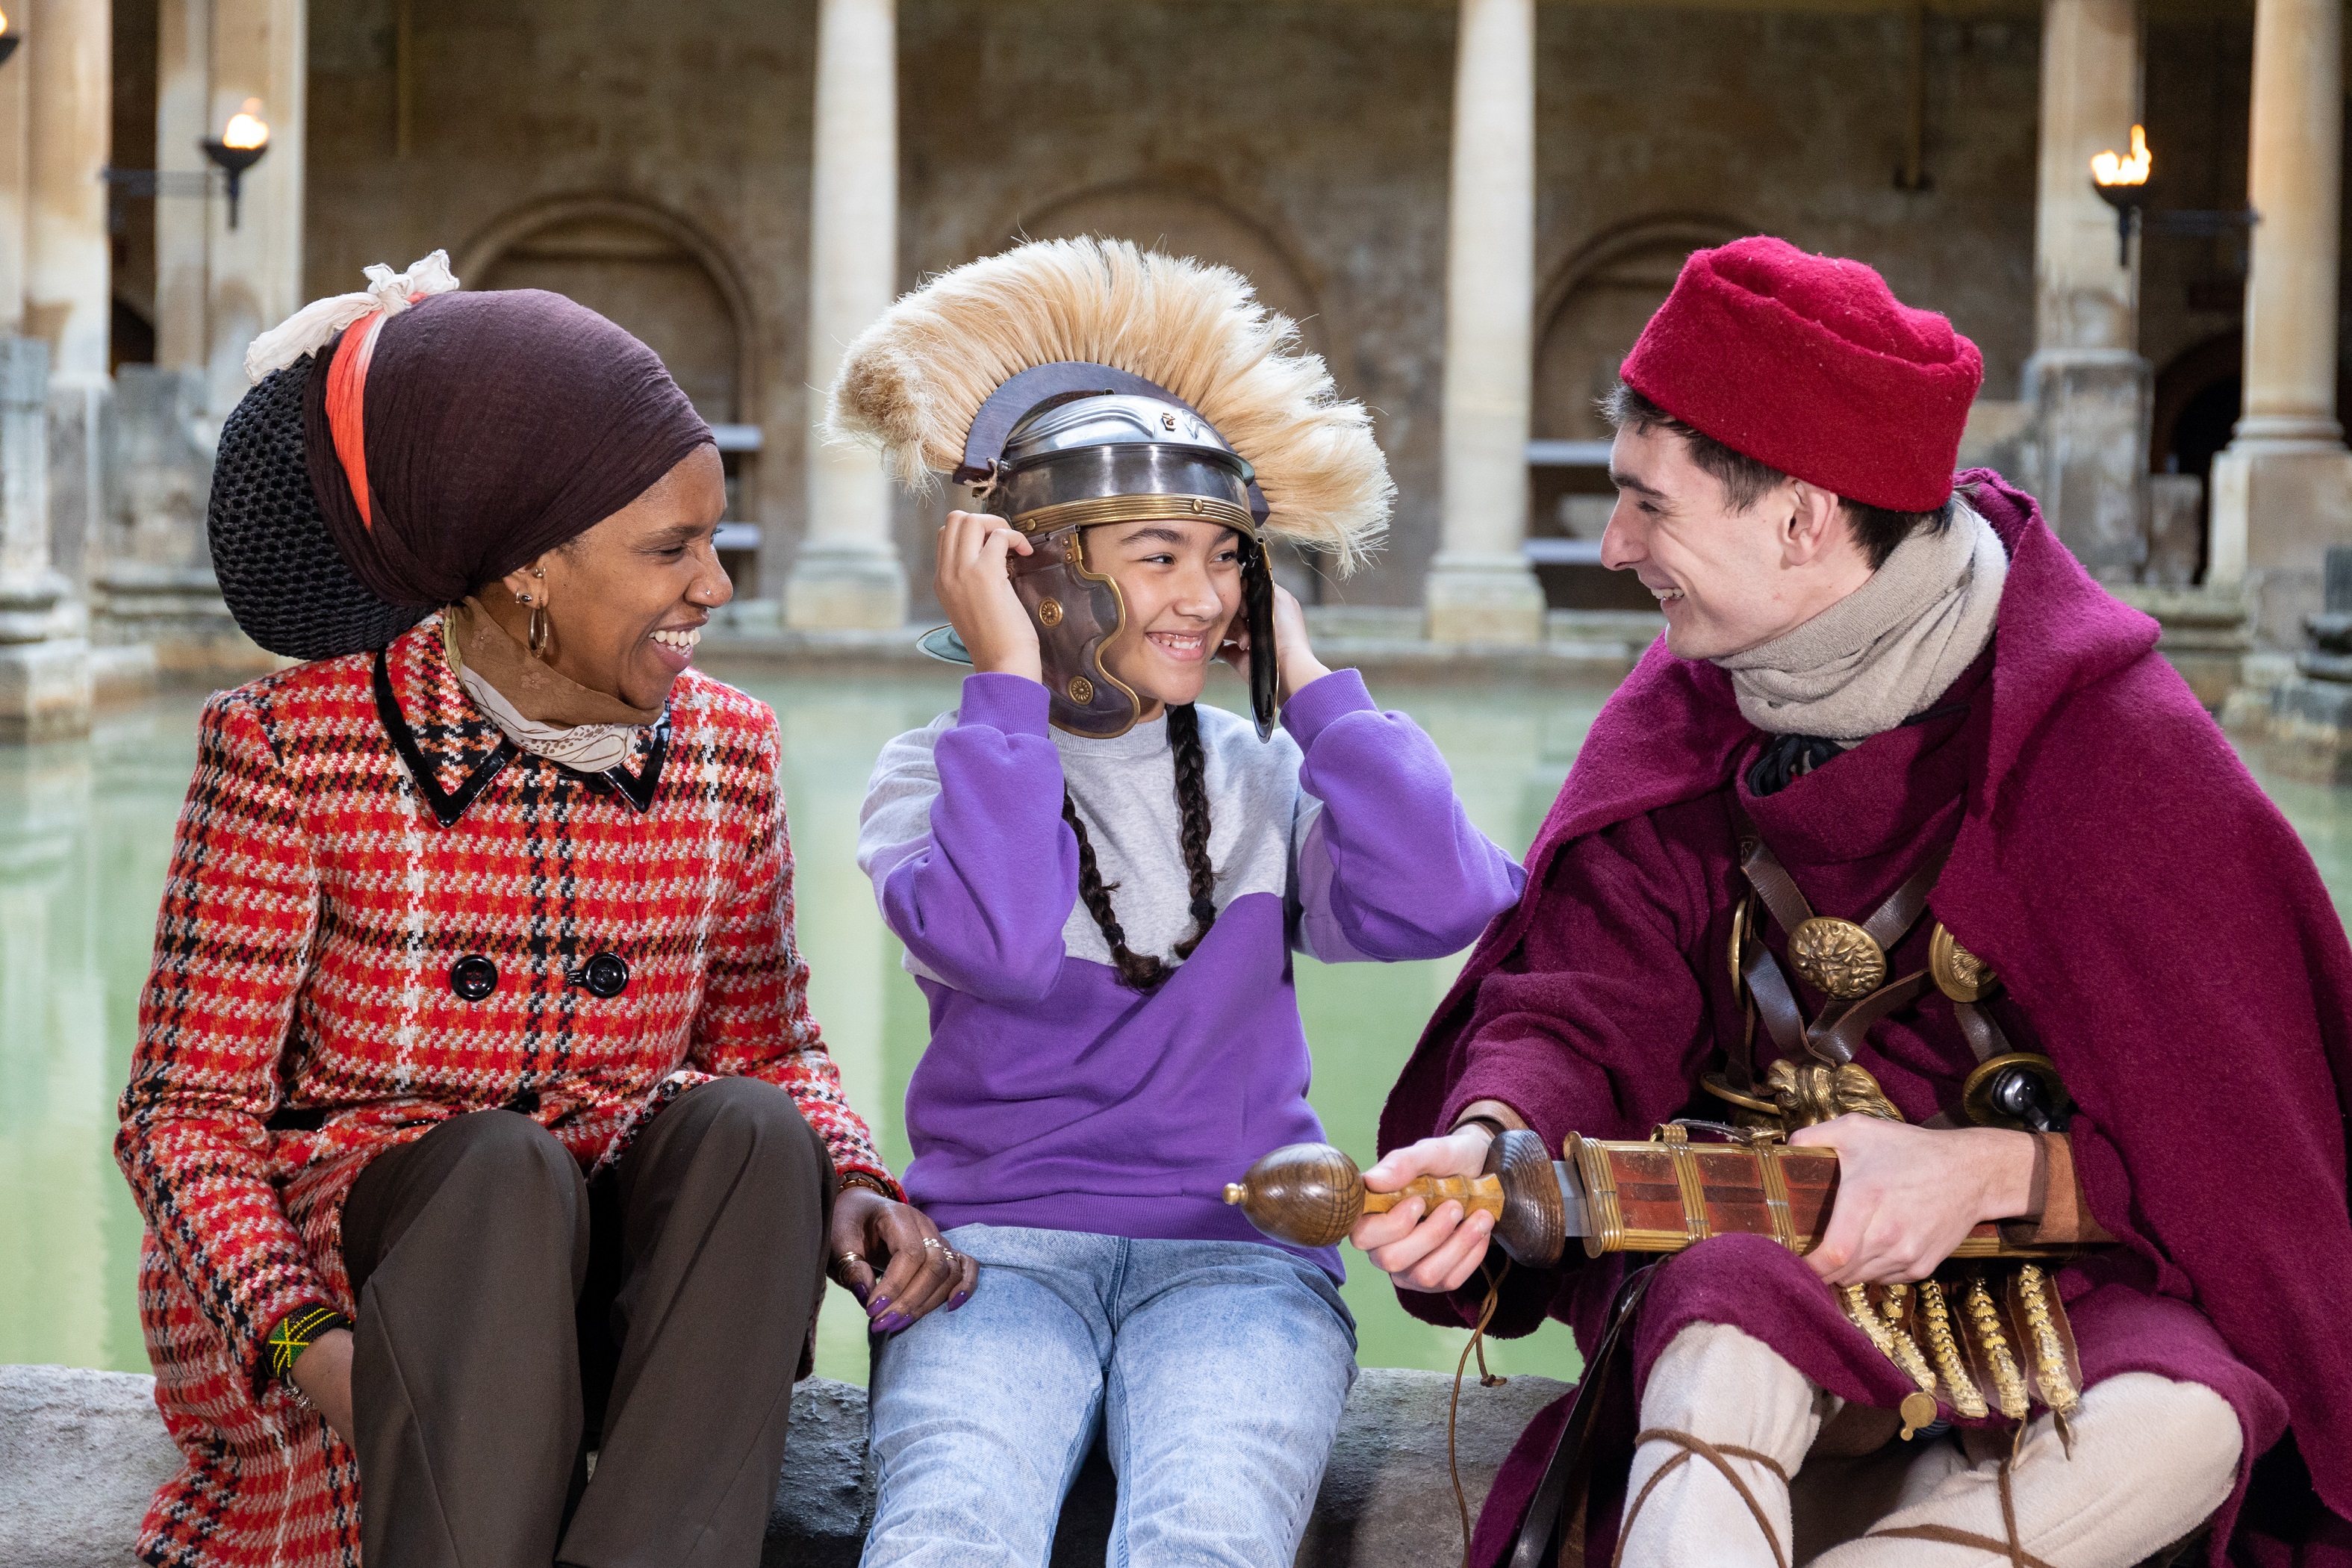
{"x":1216,"y":1371}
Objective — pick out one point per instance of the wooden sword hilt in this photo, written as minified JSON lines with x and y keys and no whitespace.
{"x":1311,"y":1194}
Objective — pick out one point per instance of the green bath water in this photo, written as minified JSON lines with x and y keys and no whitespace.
{"x":85,"y":835}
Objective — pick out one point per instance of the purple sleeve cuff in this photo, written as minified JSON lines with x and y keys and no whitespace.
{"x":1392,"y":867}
{"x":1314,"y":706}
{"x":1012,"y":703}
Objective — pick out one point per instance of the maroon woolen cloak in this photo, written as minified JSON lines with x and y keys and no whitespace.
{"x":2162,"y":934}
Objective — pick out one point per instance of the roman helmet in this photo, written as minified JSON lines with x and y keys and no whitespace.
{"x":1074,"y":383}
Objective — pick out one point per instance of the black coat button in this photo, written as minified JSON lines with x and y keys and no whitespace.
{"x":606,"y":975}
{"x":473,"y":977}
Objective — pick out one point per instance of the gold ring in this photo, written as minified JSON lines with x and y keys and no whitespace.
{"x":930,"y":1243}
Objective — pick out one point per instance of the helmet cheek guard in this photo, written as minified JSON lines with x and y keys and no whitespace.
{"x":1078,"y":612}
{"x":1065,"y":447}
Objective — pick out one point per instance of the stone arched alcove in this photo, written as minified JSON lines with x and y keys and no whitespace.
{"x":1163,"y":215}
{"x":1594,"y":306}
{"x":667,"y":282}
{"x":644,"y":267}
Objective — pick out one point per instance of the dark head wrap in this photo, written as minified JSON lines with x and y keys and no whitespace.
{"x":496,"y":426}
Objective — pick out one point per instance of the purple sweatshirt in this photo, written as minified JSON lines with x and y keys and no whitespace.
{"x":1052,"y":1095}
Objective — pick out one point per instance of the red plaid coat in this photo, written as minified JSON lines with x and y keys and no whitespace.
{"x":301,"y":1016}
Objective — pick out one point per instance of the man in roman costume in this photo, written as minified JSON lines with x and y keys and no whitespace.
{"x":1905,"y":842}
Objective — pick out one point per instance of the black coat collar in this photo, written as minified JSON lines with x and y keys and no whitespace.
{"x":453,"y":749}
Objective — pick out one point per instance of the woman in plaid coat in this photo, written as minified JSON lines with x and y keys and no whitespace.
{"x":478,"y":1116}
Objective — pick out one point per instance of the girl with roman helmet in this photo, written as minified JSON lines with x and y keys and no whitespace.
{"x":478,"y":1116}
{"x":1101,"y":881}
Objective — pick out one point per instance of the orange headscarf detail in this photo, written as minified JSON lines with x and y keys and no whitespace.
{"x":346,"y":400}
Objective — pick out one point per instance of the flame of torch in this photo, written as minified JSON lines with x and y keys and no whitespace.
{"x":247,"y":130}
{"x":2110,"y":170}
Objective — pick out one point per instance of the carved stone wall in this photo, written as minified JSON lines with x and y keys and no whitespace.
{"x":1303,"y":139}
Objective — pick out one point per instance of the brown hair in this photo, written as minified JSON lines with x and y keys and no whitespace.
{"x":1142,"y":970}
{"x":1745,"y":480}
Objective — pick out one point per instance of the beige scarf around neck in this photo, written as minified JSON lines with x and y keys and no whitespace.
{"x":1888,"y":649}
{"x":544,"y":713}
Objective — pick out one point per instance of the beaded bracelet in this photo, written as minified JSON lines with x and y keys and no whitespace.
{"x":297,"y":1332}
{"x":871,"y":1183}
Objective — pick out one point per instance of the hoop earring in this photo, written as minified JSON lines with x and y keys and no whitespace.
{"x":541,"y":632}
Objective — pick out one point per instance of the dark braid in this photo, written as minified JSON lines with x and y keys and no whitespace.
{"x":1138,"y":970}
{"x":1192,"y":800}
{"x":1141,"y":972}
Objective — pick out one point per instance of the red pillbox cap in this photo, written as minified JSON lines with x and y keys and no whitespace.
{"x":1811,"y":365}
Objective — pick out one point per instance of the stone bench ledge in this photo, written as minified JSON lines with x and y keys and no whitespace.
{"x":81,"y":1452}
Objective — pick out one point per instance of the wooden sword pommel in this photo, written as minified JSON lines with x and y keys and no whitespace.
{"x":1312,"y":1194}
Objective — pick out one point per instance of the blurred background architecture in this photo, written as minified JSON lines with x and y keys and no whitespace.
{"x":1469,"y":205}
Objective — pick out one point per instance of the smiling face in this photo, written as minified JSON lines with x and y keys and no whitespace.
{"x":627,"y":599}
{"x":1182,"y":584}
{"x":1726,"y":578}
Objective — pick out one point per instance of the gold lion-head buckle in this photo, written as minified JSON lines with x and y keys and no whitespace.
{"x":1837,"y":958}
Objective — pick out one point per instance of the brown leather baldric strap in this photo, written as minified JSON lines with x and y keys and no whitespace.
{"x":1836,"y":1033}
{"x":1776,"y":1005}
{"x":1692,"y":1448}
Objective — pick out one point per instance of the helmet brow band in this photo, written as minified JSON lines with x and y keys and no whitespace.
{"x":1098,"y":509}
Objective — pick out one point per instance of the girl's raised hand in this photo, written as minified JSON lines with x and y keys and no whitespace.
{"x":1295,"y":661}
{"x":978,"y":596}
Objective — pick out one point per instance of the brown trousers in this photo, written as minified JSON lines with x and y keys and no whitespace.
{"x":512,"y":1317}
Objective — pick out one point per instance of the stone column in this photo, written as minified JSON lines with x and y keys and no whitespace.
{"x":1480,"y":587}
{"x":215,"y":289}
{"x":54,"y":257}
{"x":182,"y":120}
{"x":847,"y":574}
{"x":45,"y":677}
{"x":69,"y":303}
{"x":2089,"y":390}
{"x":259,"y":50}
{"x":16,"y":186}
{"x":2283,"y":489}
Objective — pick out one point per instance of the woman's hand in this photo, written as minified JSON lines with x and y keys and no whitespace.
{"x":1907,"y":1195}
{"x":917,"y":1270}
{"x":1439,"y":1250}
{"x":977,"y":595}
{"x":323,"y":1375}
{"x":1295,"y":662}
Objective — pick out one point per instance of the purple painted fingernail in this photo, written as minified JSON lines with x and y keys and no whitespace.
{"x":957,"y":1300}
{"x":877,"y":1305}
{"x":891,"y":1322}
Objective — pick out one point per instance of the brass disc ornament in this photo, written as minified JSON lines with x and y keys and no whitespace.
{"x":1960,"y":973}
{"x":1837,"y":958}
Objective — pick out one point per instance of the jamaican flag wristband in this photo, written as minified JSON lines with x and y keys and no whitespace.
{"x":297,"y":1332}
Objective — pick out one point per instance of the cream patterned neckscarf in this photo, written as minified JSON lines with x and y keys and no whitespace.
{"x":1888,"y":649}
{"x":582,"y":730}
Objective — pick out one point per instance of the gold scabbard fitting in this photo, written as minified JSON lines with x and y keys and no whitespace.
{"x":1958,"y":973}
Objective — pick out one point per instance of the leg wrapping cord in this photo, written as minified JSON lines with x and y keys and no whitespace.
{"x":1721,"y":1460}
{"x":2152,"y":1458}
{"x":1729,"y":1400}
